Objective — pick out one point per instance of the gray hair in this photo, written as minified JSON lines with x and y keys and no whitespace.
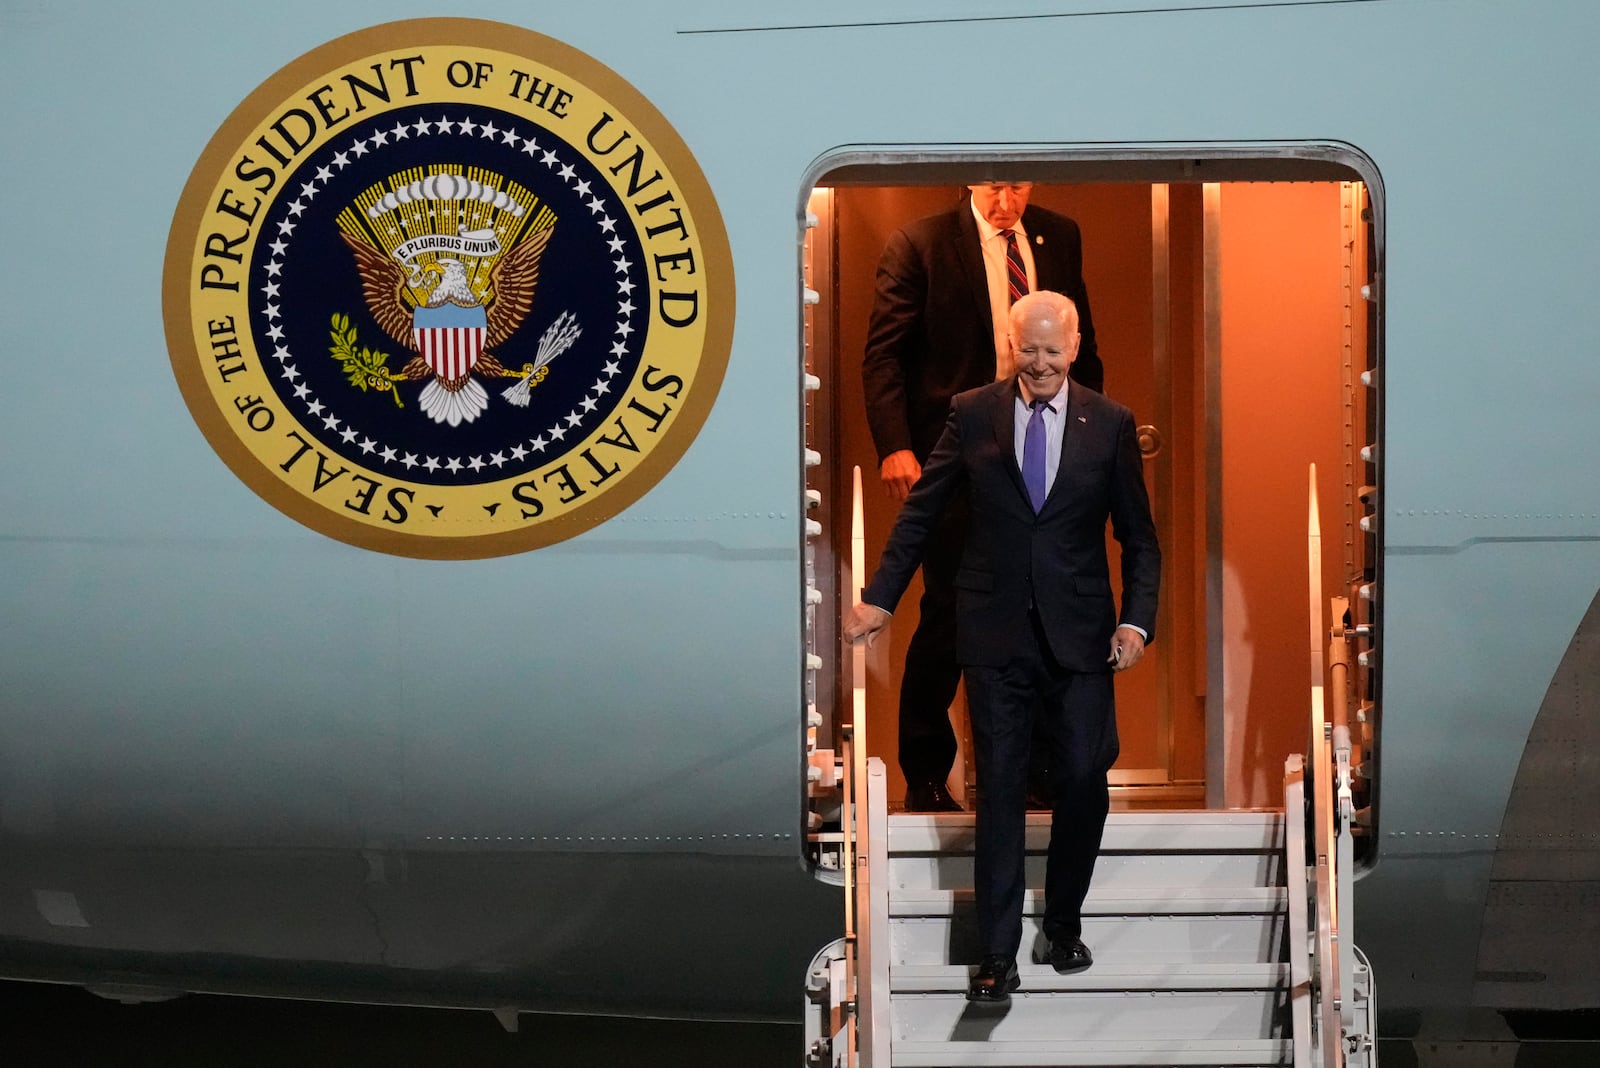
{"x":1059,"y":304}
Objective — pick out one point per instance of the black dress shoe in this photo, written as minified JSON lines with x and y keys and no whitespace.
{"x":995,"y":980}
{"x":930,"y":797}
{"x":1065,"y":955}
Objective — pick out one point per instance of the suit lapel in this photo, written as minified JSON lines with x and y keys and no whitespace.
{"x":1002,"y":417}
{"x":1043,"y":260}
{"x":969,"y":250}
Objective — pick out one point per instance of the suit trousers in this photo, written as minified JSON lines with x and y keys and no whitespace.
{"x":928,"y":685}
{"x":1078,"y":709}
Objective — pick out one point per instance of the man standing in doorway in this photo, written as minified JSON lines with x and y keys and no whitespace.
{"x":1037,"y":630}
{"x":945,"y":285}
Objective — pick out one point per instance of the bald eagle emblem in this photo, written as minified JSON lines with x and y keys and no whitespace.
{"x":452,"y":311}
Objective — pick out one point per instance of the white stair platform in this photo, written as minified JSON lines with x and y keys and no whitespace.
{"x":1126,"y":901}
{"x":1126,"y":832}
{"x":1091,"y":1014}
{"x":1154,"y":1053}
{"x":1228,"y":938}
{"x":1147,"y":978}
{"x":912,"y":870}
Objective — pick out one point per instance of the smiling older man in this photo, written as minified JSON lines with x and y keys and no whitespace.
{"x":1046,"y":465}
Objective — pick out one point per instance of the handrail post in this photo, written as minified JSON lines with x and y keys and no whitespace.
{"x":858,"y":652}
{"x":859,"y":888}
{"x":857,"y":771}
{"x":1314,"y":606}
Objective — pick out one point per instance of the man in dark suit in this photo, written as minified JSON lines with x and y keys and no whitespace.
{"x":1037,"y":630}
{"x":939,"y":327}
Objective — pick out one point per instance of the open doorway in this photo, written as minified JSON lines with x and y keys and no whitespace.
{"x":1232,"y":303}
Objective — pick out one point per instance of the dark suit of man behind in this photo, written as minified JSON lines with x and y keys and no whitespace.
{"x":1035,"y":621}
{"x":931,"y":336}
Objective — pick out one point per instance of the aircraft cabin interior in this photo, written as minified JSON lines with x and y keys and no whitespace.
{"x":1235,"y":304}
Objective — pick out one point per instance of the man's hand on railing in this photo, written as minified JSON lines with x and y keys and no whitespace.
{"x":864,"y":621}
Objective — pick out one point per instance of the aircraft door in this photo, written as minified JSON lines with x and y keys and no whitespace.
{"x":1128,"y":267}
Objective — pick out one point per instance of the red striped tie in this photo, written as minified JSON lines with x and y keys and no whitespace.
{"x":1016,"y":273}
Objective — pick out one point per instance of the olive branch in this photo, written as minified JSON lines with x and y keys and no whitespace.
{"x":366,"y":368}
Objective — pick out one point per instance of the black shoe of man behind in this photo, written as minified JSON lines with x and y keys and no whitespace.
{"x":930,"y":797}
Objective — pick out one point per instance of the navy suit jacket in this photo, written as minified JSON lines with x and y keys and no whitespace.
{"x":1014,"y":559}
{"x":931,"y":334}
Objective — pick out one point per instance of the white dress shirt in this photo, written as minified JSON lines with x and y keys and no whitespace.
{"x":1054,"y":412}
{"x":1055,"y":415}
{"x":994,"y":266}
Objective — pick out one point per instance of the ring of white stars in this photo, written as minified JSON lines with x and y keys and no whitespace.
{"x":374,"y":449}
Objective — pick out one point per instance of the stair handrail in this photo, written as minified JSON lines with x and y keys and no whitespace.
{"x":853,"y":818}
{"x":1329,"y":994}
{"x":1342,"y":986}
{"x":1344,"y":803}
{"x":873,"y":947}
{"x":866,"y":822}
{"x":847,"y":864}
{"x":1325,"y":959}
{"x":1294,"y":843}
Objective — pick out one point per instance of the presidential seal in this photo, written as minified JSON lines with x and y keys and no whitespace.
{"x":447,"y":288}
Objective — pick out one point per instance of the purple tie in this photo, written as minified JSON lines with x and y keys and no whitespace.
{"x":1033,"y":446}
{"x":1016,"y":273}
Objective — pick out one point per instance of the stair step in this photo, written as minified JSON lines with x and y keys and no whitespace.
{"x":1131,"y":1054}
{"x":1237,"y":938}
{"x":1126,"y":832}
{"x":945,"y":871}
{"x":1186,"y":919}
{"x":1133,"y":979}
{"x":1127,"y":901}
{"x":1035,"y":1015}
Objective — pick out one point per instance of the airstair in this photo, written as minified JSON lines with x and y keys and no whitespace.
{"x":1220,"y":937}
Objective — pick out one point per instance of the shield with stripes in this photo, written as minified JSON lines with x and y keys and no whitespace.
{"x":449,"y":337}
